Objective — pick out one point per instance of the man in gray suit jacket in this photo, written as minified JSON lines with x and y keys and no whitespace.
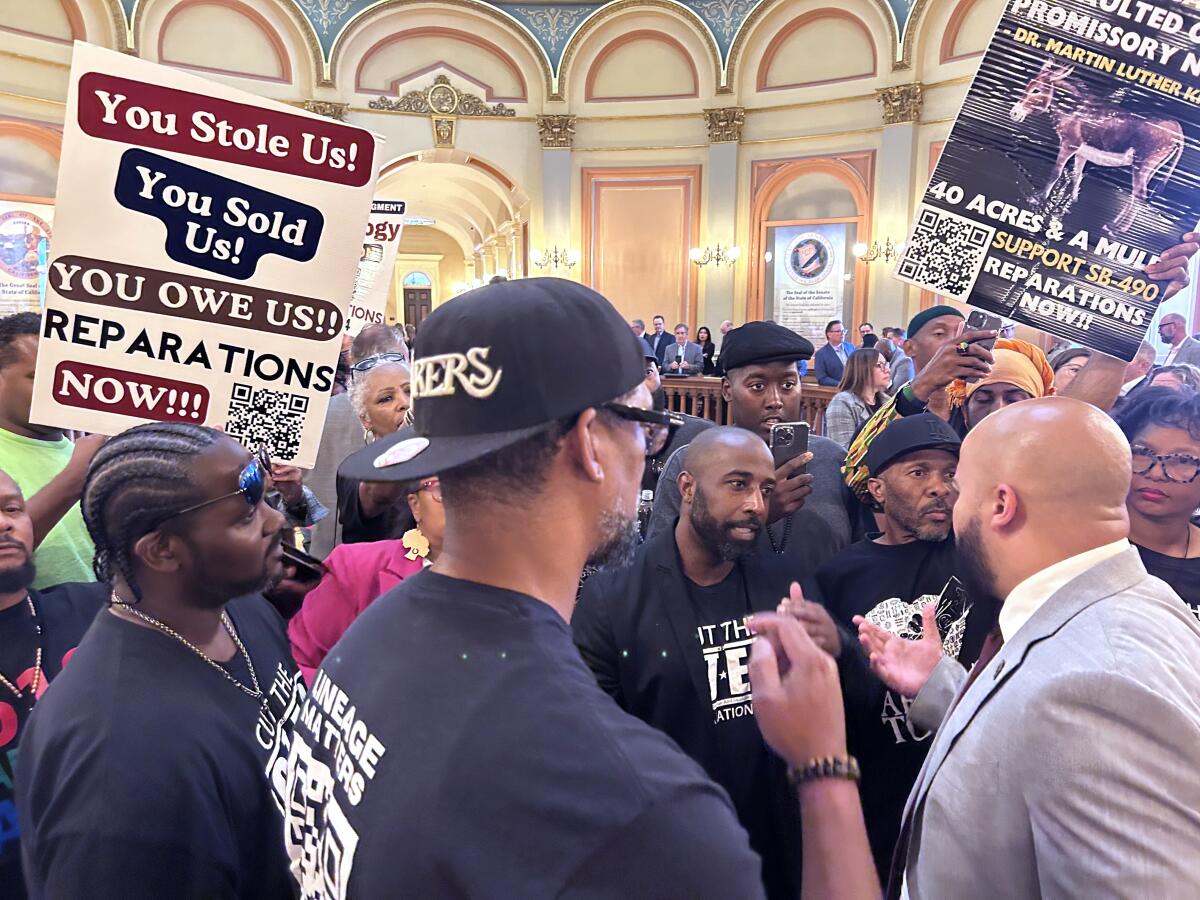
{"x":684,"y":357}
{"x":1065,"y":764}
{"x":1180,"y":348}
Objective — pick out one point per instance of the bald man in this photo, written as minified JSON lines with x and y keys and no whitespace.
{"x":1180,"y":347}
{"x":667,"y":637}
{"x":1065,"y":765}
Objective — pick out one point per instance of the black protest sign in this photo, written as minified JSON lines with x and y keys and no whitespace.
{"x":1073,"y":164}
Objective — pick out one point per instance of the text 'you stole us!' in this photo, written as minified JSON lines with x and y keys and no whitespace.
{"x":204,"y":257}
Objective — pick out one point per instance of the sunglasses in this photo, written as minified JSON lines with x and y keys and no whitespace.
{"x":658,"y":426}
{"x":252,"y":485}
{"x":366,"y":365}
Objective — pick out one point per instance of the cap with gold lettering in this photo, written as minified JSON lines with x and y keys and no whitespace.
{"x":498,"y":364}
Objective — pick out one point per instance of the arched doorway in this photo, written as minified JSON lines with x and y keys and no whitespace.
{"x":465,"y":222}
{"x":806,"y":217}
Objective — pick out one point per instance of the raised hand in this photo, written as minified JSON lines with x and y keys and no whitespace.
{"x":792,"y":488}
{"x":1172,"y":265}
{"x":952,"y":361}
{"x":797,"y":695}
{"x":814,"y":618}
{"x":901,"y":664}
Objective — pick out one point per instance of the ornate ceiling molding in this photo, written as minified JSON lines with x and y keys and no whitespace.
{"x":442,"y":99}
{"x":622,"y":6}
{"x":495,"y":13}
{"x":766,"y":6}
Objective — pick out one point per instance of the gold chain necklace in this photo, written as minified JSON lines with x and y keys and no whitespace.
{"x":37,"y":663}
{"x":167,"y":629}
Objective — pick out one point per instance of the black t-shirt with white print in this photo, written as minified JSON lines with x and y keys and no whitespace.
{"x":143,"y":770}
{"x":1183,"y":575}
{"x":454,"y":744}
{"x":64,"y":613}
{"x":889,"y":585}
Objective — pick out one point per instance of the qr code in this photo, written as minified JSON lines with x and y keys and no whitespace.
{"x":945,"y":253}
{"x":260,"y":417}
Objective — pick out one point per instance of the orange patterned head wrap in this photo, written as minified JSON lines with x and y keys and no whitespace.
{"x":1018,"y":363}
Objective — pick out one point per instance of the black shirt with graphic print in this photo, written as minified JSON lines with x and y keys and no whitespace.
{"x":64,"y":613}
{"x":454,"y":744}
{"x":1183,"y":575}
{"x":884,"y":583}
{"x":143,"y":771}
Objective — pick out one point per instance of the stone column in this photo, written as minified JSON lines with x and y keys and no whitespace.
{"x":557,"y":134}
{"x":720,"y":214}
{"x":890,"y":301}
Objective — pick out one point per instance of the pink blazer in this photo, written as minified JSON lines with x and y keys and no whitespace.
{"x":357,"y":574}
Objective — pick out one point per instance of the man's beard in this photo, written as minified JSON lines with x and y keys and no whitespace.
{"x":716,"y":535}
{"x":974,"y":571}
{"x":619,"y":540}
{"x":912,"y":521}
{"x":18,"y":578}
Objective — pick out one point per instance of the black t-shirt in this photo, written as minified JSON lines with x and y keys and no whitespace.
{"x":143,"y":769}
{"x":1183,"y":575}
{"x":889,"y":584}
{"x":725,"y":642}
{"x":455,"y":745}
{"x":64,"y":611}
{"x":357,"y":528}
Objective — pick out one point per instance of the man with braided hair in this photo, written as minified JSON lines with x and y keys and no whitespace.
{"x":142,"y":773}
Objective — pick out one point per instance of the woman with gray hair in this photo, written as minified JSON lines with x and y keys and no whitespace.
{"x":380,"y":394}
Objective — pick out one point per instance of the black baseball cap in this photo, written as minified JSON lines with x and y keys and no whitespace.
{"x":908,"y":435}
{"x":762,"y":342}
{"x":491,"y":369}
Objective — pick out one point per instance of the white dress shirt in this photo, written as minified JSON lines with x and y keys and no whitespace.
{"x":1028,"y":596}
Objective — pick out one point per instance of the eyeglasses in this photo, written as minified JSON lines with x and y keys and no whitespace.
{"x":252,"y":485}
{"x":433,"y":487}
{"x":366,"y":365}
{"x":658,"y":425}
{"x":883,"y":366}
{"x":1178,"y":467}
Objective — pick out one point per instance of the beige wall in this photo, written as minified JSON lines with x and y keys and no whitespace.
{"x":636,"y":77}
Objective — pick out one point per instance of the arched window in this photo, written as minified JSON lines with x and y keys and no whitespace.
{"x":417,"y":279}
{"x":809,"y":214}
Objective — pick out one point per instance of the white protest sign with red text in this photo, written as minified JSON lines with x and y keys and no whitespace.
{"x":204,"y":252}
{"x":368,"y":305}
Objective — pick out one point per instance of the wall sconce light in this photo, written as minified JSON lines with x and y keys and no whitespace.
{"x":717,"y":256}
{"x":555,"y":258}
{"x":870,"y":253}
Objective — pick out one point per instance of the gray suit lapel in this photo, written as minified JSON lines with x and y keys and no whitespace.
{"x":1112,"y":576}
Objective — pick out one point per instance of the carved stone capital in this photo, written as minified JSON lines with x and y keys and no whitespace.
{"x":901,"y":103}
{"x":725,"y":124}
{"x":556,"y":132}
{"x":327,"y":108}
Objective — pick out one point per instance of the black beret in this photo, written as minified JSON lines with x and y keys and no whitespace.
{"x":762,"y":342}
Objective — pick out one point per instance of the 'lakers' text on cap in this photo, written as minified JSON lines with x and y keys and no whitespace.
{"x":498,"y":364}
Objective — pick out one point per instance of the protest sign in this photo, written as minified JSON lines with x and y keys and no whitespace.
{"x":368,"y":305}
{"x":1073,"y":164}
{"x":204,"y":253}
{"x":24,"y":239}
